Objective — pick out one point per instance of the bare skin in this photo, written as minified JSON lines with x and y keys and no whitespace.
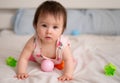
{"x":48,"y":30}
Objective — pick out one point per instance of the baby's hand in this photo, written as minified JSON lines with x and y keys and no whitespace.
{"x":22,"y":76}
{"x":65,"y":77}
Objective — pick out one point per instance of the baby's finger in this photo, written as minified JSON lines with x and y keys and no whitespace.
{"x":59,"y":78}
{"x":23,"y":76}
{"x":62,"y":78}
{"x":67,"y":79}
{"x":18,"y":76}
{"x":26,"y":75}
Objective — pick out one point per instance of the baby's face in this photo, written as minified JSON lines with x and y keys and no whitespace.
{"x":49,"y":28}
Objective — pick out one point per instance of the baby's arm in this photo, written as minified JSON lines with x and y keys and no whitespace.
{"x":23,"y":60}
{"x":69,"y":64}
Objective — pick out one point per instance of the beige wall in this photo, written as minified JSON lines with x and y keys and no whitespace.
{"x":9,"y":7}
{"x":6,"y":17}
{"x":66,"y":3}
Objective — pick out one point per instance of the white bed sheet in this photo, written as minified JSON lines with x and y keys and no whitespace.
{"x":91,"y":51}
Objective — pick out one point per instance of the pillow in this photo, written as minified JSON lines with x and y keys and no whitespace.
{"x":77,"y":22}
{"x":104,"y":22}
{"x":101,"y":22}
{"x":24,"y":22}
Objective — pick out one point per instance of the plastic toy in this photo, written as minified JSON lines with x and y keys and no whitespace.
{"x":11,"y":61}
{"x":47,"y":65}
{"x":75,"y":32}
{"x":110,"y":69}
{"x":60,"y":66}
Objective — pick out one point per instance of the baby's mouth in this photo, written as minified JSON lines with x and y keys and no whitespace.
{"x":48,"y":37}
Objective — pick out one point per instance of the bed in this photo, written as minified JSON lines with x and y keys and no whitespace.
{"x":95,"y":40}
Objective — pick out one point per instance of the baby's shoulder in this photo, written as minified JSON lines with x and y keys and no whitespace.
{"x":30,"y":42}
{"x":64,"y":40}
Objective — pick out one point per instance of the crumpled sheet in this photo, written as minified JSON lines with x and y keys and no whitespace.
{"x":92,"y":53}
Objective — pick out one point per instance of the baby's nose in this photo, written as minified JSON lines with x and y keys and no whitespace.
{"x":49,"y":30}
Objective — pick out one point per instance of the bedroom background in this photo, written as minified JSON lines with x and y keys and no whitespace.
{"x":100,"y":17}
{"x":93,"y":28}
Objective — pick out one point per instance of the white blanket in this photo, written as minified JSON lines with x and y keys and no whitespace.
{"x":91,"y":51}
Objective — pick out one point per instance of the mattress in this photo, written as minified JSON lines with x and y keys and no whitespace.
{"x":92,"y":53}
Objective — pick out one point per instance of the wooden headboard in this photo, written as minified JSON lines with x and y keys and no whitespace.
{"x":8,"y":7}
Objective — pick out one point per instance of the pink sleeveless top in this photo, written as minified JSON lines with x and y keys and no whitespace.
{"x":61,"y":43}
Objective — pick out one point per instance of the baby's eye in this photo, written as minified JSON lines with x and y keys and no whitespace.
{"x":44,"y":25}
{"x":55,"y":27}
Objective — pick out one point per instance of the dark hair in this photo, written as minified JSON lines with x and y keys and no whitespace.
{"x":50,"y":7}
